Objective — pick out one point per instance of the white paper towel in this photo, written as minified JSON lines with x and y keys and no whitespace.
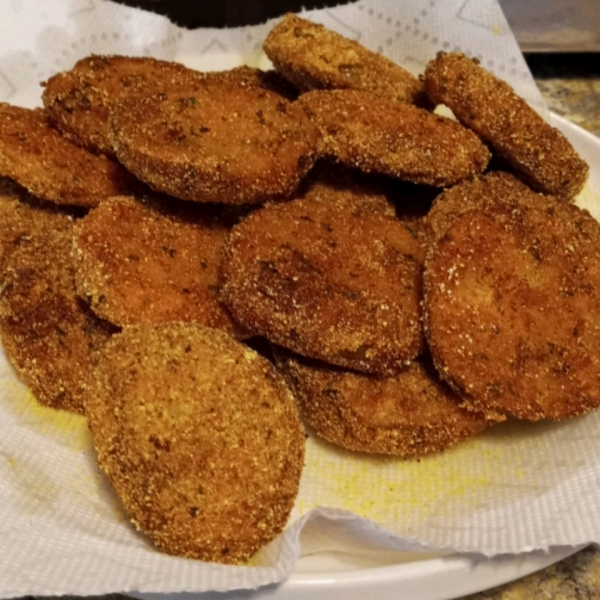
{"x":62,"y":531}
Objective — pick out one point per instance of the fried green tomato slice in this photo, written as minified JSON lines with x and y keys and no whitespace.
{"x":52,"y":168}
{"x":329,"y":282}
{"x":314,"y":57}
{"x":512,"y":310}
{"x":480,"y":192}
{"x":374,"y":134}
{"x":408,"y":415}
{"x":540,"y":153}
{"x":78,"y":101}
{"x":141,"y":262}
{"x":224,"y":143}
{"x":200,"y":436}
{"x":49,"y":335}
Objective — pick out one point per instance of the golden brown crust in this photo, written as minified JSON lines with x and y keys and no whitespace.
{"x":327,"y":281}
{"x":222,"y":143}
{"x":78,"y":101}
{"x":408,"y":415}
{"x":512,"y":310}
{"x":52,"y":168}
{"x":313,"y":57}
{"x":489,"y":106}
{"x":140,"y":262}
{"x":374,"y":134}
{"x":49,"y":335}
{"x":200,"y":437}
{"x":334,"y":183}
{"x":480,"y":192}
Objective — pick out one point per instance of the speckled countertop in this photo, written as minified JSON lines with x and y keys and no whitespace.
{"x":570,"y":84}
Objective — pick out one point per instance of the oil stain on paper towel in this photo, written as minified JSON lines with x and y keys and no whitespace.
{"x":64,"y":427}
{"x":40,"y":485}
{"x":389,"y":490}
{"x":498,"y":465}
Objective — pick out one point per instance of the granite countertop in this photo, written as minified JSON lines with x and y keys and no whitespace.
{"x":570,"y":84}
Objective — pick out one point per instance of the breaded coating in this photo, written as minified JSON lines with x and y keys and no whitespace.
{"x":313,"y":57}
{"x":225,"y":143}
{"x":140,"y":262}
{"x":200,"y":437}
{"x":377,"y":135}
{"x":409,"y":415}
{"x":50,"y":167}
{"x":330,"y":182}
{"x":512,"y":310}
{"x":480,"y":192}
{"x":540,"y":153}
{"x":329,"y":282}
{"x":78,"y":101}
{"x":50,"y":336}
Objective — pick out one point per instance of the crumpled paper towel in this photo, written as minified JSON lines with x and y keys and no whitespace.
{"x":62,"y":531}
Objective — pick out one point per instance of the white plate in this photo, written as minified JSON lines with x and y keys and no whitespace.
{"x":440,"y":578}
{"x":386,"y":575}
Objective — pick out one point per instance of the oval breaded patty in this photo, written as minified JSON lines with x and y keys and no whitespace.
{"x":313,"y":57}
{"x":495,"y":187}
{"x":410,"y":414}
{"x":139,"y":262}
{"x":512,"y":310}
{"x":489,"y":106}
{"x":78,"y":101}
{"x":52,"y":168}
{"x":224,"y":143}
{"x":200,"y":437}
{"x":327,"y":281}
{"x":373,"y":134}
{"x":50,"y":336}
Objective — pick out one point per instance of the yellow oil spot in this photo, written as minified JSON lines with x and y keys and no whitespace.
{"x":400,"y":493}
{"x":35,"y":487}
{"x":65,"y":427}
{"x":390,"y":489}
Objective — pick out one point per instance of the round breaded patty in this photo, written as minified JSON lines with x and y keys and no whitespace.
{"x":224,"y":143}
{"x":410,"y":414}
{"x":50,"y":167}
{"x":374,"y":134}
{"x":489,"y":106}
{"x":50,"y":336}
{"x":512,"y":310}
{"x":495,"y":187}
{"x":329,"y":282}
{"x":78,"y":101}
{"x":200,"y":437}
{"x":314,"y":57}
{"x":141,"y":262}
